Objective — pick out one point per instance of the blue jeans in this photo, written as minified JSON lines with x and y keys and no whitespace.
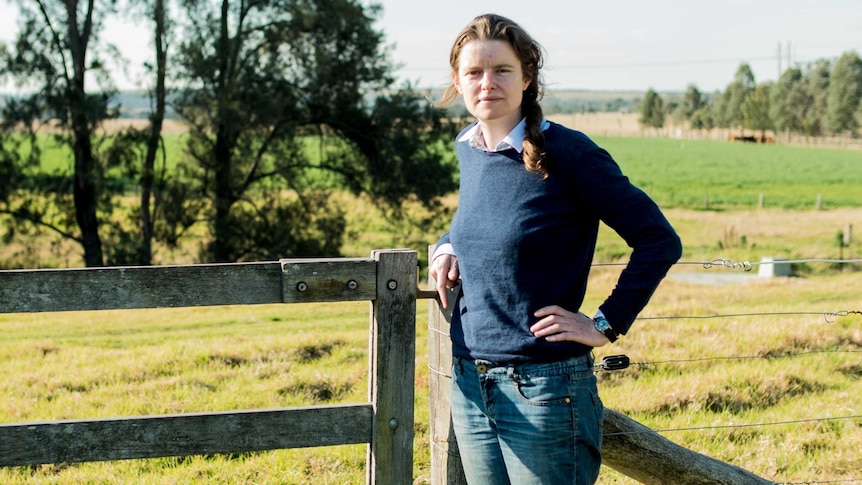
{"x":534,"y":423}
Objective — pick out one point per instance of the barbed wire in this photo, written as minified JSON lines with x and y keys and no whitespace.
{"x":745,"y":266}
{"x":615,"y":366}
{"x":829,"y":316}
{"x":846,"y":480}
{"x":733,"y":426}
{"x":826,"y":315}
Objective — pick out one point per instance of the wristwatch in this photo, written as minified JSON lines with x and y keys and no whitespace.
{"x":603,"y":326}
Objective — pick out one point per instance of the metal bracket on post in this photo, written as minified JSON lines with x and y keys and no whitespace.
{"x":310,"y":280}
{"x":451,"y":294}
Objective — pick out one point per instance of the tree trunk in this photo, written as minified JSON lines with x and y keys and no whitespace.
{"x":223,"y":241}
{"x":85,"y":191}
{"x":145,"y":255}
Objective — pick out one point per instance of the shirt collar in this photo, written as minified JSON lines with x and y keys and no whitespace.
{"x":514,"y":140}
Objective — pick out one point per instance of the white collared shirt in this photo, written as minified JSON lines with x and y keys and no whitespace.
{"x":515,"y":138}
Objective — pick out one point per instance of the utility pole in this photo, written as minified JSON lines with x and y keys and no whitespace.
{"x":789,"y":60}
{"x":779,"y":60}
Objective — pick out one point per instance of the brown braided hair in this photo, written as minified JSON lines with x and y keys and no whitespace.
{"x":529,"y":52}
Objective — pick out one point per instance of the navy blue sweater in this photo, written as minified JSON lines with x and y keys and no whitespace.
{"x":523,"y":243}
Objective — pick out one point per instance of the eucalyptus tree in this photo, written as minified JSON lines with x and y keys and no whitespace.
{"x":137,"y":150}
{"x":651,"y":109}
{"x":693,"y":100}
{"x":61,"y":69}
{"x":844,"y":95}
{"x":287,"y":100}
{"x":755,"y":110}
{"x":789,"y":100}
{"x":702,"y":119}
{"x":817,"y":81}
{"x":728,"y":109}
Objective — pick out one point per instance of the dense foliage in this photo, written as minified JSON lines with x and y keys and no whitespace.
{"x":252,"y":81}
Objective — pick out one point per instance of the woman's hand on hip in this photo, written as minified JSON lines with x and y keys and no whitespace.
{"x":557,"y":324}
{"x":444,"y":270}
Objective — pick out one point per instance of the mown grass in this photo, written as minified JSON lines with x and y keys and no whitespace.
{"x":712,"y":174}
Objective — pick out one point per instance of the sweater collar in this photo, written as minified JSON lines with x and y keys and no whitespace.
{"x":514,"y":140}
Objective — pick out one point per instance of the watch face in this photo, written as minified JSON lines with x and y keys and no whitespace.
{"x":602,"y":324}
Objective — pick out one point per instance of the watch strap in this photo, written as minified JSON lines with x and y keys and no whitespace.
{"x":602,"y":325}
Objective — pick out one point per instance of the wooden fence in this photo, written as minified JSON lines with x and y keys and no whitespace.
{"x":389,"y":281}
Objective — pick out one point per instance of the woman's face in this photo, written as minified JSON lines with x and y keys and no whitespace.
{"x":491,"y":81}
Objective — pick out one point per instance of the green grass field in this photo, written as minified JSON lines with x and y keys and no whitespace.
{"x":686,"y":173}
{"x":765,"y":383}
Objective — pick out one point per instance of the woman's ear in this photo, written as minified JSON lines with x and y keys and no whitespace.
{"x":455,"y":81}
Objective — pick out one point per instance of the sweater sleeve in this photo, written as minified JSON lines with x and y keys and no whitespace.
{"x":638,"y":220}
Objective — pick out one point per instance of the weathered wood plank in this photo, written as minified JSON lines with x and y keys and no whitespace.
{"x":312,"y":280}
{"x":392,"y":367}
{"x":184,"y":434}
{"x":639,"y":452}
{"x":140,"y":287}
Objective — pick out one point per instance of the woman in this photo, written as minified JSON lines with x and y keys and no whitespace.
{"x":525,"y":408}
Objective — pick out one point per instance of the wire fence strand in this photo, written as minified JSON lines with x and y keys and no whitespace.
{"x":744,"y":266}
{"x":733,"y":426}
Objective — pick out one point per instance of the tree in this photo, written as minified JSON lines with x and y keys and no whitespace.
{"x":58,"y":56}
{"x":755,"y":110}
{"x":157,"y":11}
{"x":134,"y":151}
{"x":651,"y":110}
{"x":729,"y":106}
{"x":817,"y":84}
{"x":844,"y":94}
{"x":259,"y":81}
{"x":693,"y":100}
{"x":702,"y":119}
{"x":789,"y":100}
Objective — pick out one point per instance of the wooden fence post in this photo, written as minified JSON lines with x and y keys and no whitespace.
{"x":392,"y":367}
{"x":445,"y":460}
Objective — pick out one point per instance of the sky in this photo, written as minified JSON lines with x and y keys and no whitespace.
{"x":601,"y":45}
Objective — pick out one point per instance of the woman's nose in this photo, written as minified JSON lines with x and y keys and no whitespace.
{"x":488,"y":81}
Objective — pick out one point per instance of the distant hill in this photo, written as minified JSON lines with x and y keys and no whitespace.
{"x":136,"y":104}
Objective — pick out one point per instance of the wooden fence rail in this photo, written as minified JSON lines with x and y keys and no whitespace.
{"x":388,"y":280}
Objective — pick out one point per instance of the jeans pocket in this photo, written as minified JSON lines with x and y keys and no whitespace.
{"x":544,"y":390}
